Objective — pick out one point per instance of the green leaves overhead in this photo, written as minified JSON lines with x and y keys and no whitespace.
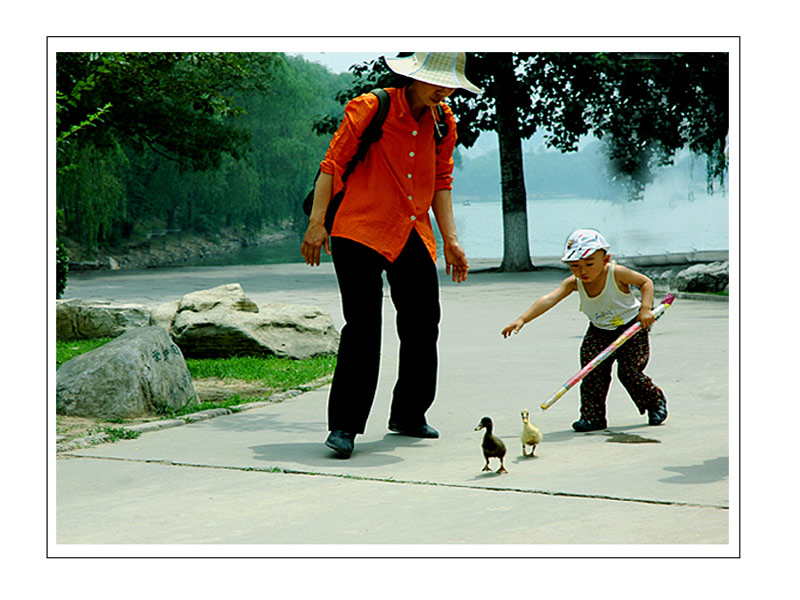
{"x":179,"y":105}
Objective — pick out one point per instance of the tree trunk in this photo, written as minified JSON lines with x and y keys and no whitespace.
{"x":516,"y":249}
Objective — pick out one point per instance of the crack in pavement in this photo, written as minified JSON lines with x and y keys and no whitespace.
{"x":281,"y":470}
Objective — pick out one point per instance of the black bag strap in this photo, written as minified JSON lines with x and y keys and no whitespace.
{"x":373,"y":131}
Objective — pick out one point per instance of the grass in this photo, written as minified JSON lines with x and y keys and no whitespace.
{"x":272,"y":371}
{"x":120,"y":433}
{"x":68,"y":350}
{"x":231,"y":402}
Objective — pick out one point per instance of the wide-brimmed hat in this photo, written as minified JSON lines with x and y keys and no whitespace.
{"x":582,"y":243}
{"x":439,"y":68}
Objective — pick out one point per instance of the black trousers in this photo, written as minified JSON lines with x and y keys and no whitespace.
{"x":414,"y":288}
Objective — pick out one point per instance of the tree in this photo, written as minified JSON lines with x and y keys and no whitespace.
{"x":178,"y":104}
{"x":497,"y":73}
{"x":644,"y":108}
{"x":63,"y":141}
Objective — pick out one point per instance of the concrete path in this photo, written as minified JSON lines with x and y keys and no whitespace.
{"x":263,"y":476}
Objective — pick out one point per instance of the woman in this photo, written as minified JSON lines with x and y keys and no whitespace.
{"x":383,"y":225}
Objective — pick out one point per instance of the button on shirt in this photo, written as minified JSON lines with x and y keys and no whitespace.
{"x":391,"y":191}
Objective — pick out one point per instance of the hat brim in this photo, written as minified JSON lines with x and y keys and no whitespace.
{"x":410,"y":67}
{"x":579,"y":253}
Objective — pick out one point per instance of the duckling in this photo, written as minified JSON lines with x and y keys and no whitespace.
{"x":493,"y":447}
{"x":531,"y":435}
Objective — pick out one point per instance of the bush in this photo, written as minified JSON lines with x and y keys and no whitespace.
{"x":62,"y":268}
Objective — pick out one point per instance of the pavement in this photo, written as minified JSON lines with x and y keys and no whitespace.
{"x":262,"y":479}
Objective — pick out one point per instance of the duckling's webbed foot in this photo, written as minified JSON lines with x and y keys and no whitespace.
{"x":486,"y":468}
{"x":502,"y":469}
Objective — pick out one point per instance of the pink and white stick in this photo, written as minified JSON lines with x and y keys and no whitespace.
{"x":628,"y":334}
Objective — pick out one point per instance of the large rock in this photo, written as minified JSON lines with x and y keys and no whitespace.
{"x":140,"y":373}
{"x":228,"y":297}
{"x":77,"y":319}
{"x":163,"y":314}
{"x":712,"y":277}
{"x":223,"y":322}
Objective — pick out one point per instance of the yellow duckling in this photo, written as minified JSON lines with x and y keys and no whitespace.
{"x":531,"y":434}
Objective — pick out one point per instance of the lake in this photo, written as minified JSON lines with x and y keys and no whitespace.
{"x":654,"y":226}
{"x":662,"y":223}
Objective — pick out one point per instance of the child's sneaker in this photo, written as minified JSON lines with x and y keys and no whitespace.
{"x":657,"y":415}
{"x":582,"y":425}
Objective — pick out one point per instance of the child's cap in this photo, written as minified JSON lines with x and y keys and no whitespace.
{"x":582,"y":243}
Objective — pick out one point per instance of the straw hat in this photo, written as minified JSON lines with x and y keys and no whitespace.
{"x":439,"y":68}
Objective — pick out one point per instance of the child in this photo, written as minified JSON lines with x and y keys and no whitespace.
{"x":605,"y":297}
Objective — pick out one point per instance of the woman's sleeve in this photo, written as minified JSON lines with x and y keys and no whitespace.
{"x":357,"y":115}
{"x":444,"y":153}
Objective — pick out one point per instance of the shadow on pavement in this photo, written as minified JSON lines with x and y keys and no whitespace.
{"x":708,"y":471}
{"x":366,"y":454}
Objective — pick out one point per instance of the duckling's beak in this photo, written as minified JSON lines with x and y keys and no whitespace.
{"x":480,"y":426}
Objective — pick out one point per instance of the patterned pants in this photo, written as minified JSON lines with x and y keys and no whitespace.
{"x":631,"y":359}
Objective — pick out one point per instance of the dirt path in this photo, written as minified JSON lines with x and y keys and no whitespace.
{"x":210,"y":389}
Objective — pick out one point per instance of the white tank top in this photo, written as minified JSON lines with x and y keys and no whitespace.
{"x":611,"y":308}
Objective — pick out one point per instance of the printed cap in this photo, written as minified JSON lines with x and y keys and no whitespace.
{"x":583,"y":243}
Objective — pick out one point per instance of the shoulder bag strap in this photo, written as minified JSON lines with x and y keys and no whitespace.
{"x":373,"y":131}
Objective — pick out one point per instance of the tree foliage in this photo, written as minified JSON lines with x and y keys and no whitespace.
{"x":645,"y":107}
{"x":177,"y":104}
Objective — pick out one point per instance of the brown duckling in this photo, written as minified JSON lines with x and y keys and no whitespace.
{"x":492,"y":446}
{"x":531,"y":435}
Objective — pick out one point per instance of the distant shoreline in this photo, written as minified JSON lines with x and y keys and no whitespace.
{"x":645,"y":261}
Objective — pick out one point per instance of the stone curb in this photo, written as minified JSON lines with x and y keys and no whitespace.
{"x":203,"y":415}
{"x":698,"y":296}
{"x":689,"y":295}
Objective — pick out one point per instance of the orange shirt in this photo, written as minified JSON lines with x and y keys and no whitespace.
{"x":391,"y":191}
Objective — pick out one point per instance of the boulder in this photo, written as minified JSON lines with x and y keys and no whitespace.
{"x":163,"y":314}
{"x":138,"y":374}
{"x":228,"y":297}
{"x":711,"y":277}
{"x":77,"y":319}
{"x":223,"y":322}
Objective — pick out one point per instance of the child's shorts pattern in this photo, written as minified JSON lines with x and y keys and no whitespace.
{"x":631,"y":359}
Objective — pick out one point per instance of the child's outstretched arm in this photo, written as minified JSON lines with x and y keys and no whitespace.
{"x":542,"y":305}
{"x":630,"y":277}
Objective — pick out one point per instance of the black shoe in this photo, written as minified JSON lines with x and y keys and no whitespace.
{"x":418,"y":431}
{"x":341,"y":442}
{"x":582,"y":425}
{"x":657,"y":415}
